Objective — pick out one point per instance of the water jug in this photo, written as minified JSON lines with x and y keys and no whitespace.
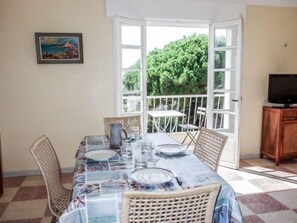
{"x":116,"y":137}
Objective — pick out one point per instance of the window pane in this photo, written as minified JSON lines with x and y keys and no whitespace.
{"x":223,"y":101}
{"x":132,"y":103}
{"x":131,"y":58}
{"x":225,"y":59}
{"x":225,"y":80}
{"x":131,"y":80}
{"x":131,"y":35}
{"x":224,"y":122}
{"x":226,"y":36}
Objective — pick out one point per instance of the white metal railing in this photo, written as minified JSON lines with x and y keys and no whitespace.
{"x":187,"y":104}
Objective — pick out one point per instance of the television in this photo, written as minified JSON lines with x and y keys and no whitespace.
{"x":282,"y":89}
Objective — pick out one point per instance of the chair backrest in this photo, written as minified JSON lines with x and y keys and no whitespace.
{"x":46,"y":158}
{"x":200,"y":120}
{"x":189,"y":205}
{"x":209,"y":147}
{"x":131,"y":124}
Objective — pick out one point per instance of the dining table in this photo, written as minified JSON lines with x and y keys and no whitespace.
{"x":98,"y":184}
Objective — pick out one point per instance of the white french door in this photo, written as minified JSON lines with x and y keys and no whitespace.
{"x":224,"y":78}
{"x":130,"y":52}
{"x":224,"y":86}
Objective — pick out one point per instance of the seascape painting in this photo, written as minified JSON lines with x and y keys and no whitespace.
{"x":59,"y":48}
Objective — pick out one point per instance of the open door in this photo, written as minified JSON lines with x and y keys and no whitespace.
{"x":224,"y":90}
{"x":130,"y":51}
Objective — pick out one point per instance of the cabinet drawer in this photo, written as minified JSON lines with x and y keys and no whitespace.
{"x":289,"y":114}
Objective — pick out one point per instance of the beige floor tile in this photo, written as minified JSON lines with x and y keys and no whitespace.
{"x":260,"y":162}
{"x":24,"y":210}
{"x":287,"y":216}
{"x":244,"y":209}
{"x":33,"y":181}
{"x":292,"y":167}
{"x":46,"y":220}
{"x":68,"y":185}
{"x":291,"y":185}
{"x":8,"y":194}
{"x":268,"y":184}
{"x":288,"y":198}
{"x":248,"y":175}
{"x":244,"y":187}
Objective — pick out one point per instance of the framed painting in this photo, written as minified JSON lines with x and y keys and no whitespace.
{"x":59,"y":48}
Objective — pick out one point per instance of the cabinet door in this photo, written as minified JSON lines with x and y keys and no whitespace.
{"x":270,"y":132}
{"x":290,"y":138}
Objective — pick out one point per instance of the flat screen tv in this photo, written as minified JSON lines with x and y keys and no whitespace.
{"x":282,"y":89}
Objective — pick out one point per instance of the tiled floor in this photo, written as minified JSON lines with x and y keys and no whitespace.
{"x":25,"y":199}
{"x":267,"y":194}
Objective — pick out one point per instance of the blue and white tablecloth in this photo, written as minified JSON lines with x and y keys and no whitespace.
{"x":98,"y":186}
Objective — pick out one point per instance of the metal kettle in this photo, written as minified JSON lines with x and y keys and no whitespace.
{"x":116,"y":135}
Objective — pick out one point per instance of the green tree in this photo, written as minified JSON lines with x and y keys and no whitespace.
{"x":131,"y":79}
{"x":179,"y":68}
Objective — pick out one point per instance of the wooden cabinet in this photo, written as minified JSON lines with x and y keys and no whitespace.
{"x":279,"y":133}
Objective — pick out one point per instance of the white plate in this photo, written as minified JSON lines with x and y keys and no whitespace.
{"x":152,"y":176}
{"x":100,"y":155}
{"x":171,"y":150}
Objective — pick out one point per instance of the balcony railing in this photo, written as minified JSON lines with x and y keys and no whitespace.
{"x":187,"y":104}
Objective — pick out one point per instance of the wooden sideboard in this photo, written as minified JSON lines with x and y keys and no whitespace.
{"x":279,"y":133}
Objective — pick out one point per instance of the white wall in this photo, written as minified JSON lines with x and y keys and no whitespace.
{"x":69,"y":101}
{"x":63,"y":101}
{"x":266,"y":31}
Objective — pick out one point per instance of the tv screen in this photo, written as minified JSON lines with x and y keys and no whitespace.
{"x":282,"y":89}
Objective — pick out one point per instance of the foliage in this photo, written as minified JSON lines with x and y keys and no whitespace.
{"x":131,"y":79}
{"x":177,"y":69}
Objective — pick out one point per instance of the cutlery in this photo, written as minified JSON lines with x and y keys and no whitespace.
{"x":126,"y":178}
{"x":180,"y":183}
{"x":169,"y":144}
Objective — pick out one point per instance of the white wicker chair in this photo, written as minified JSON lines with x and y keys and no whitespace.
{"x":131,"y":124}
{"x":209,"y":147}
{"x":189,"y":205}
{"x":47,"y":160}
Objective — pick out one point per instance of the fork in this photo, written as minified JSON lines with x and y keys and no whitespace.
{"x":126,"y":178}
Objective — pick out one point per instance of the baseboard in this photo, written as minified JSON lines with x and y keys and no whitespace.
{"x":250,"y":156}
{"x":32,"y":172}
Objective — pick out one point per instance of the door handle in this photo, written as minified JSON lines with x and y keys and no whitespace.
{"x":234,"y":100}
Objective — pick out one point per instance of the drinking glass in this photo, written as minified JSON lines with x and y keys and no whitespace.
{"x":155,"y":156}
{"x":126,"y":150}
{"x":140,"y":155}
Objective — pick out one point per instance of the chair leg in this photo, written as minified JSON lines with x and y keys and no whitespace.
{"x":185,"y":137}
{"x":192,"y":137}
{"x":54,"y":219}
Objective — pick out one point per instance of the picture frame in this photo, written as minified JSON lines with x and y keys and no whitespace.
{"x":59,"y":48}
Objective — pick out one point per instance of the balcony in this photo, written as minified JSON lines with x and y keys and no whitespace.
{"x":187,"y":104}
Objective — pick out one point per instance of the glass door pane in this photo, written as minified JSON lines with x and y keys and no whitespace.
{"x":224,"y":86}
